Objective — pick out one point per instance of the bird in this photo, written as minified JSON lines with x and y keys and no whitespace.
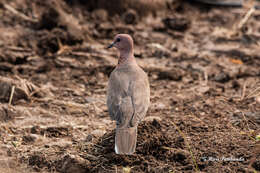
{"x":128,"y":95}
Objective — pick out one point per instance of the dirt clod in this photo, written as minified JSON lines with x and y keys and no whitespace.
{"x":170,"y":75}
{"x":178,"y":24}
{"x":21,"y":88}
{"x":222,"y":77}
{"x":256,"y":165}
{"x":55,"y":131}
{"x":28,"y":139}
{"x":6,"y":113}
{"x":72,"y":163}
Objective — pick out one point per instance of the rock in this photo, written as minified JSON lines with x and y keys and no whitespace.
{"x":98,"y":132}
{"x":222,"y":77}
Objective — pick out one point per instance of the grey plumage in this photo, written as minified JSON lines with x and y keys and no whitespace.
{"x":128,"y":99}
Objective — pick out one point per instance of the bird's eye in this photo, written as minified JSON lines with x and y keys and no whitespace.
{"x":118,"y":40}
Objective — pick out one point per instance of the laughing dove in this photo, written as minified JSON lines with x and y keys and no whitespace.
{"x":128,"y":95}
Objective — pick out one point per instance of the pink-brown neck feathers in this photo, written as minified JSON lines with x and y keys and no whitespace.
{"x":125,"y":44}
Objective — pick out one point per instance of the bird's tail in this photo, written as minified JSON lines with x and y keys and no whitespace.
{"x":125,"y":141}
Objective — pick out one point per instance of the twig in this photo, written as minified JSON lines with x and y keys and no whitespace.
{"x":98,"y":146}
{"x":184,"y":137}
{"x":11,"y":95}
{"x":206,"y":77}
{"x":251,"y":94}
{"x":107,"y":138}
{"x":246,"y":121}
{"x":62,"y":48}
{"x":34,"y":92}
{"x":247,"y":16}
{"x":243,"y":92}
{"x":21,"y":49}
{"x":14,"y":11}
{"x":90,"y":156}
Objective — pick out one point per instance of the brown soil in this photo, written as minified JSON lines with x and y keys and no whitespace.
{"x":204,"y":75}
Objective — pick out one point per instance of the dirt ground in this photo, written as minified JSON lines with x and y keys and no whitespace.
{"x":203,"y":71}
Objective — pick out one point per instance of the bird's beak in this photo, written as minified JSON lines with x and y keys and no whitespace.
{"x":111,"y":45}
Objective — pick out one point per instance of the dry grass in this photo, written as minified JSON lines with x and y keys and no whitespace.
{"x":195,"y":165}
{"x":11,"y":95}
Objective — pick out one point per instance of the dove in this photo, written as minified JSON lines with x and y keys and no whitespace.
{"x":128,"y":95}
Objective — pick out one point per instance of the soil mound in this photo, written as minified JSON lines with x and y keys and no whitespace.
{"x":157,"y":143}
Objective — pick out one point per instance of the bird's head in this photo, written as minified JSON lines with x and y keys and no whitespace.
{"x":123,"y":42}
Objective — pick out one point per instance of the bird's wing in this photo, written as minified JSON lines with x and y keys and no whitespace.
{"x":140,"y":96}
{"x":121,"y":111}
{"x":118,"y":101}
{"x":128,"y":99}
{"x":112,"y":102}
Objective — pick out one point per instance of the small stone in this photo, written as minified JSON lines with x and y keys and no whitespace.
{"x":98,"y":132}
{"x":160,"y":106}
{"x":202,"y":89}
{"x":222,"y":77}
{"x":90,"y":99}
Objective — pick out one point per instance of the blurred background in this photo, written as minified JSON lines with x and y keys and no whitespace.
{"x":202,"y":59}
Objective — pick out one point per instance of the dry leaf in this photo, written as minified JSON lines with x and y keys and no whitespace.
{"x":236,"y":61}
